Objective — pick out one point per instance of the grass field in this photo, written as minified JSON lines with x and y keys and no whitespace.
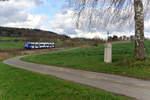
{"x":91,"y":58}
{"x":19,"y":84}
{"x":7,"y":38}
{"x":11,"y":45}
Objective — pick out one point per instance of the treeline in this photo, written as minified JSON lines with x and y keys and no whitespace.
{"x":116,"y":38}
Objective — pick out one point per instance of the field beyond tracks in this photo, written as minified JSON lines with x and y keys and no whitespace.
{"x":11,"y":45}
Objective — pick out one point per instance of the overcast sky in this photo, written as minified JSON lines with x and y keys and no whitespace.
{"x":51,"y":15}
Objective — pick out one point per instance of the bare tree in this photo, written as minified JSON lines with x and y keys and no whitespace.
{"x":104,"y":13}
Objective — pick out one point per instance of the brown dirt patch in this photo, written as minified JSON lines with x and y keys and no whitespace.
{"x":125,"y":41}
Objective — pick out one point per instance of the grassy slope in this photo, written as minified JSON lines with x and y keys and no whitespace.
{"x":91,"y":58}
{"x":18,"y":84}
{"x":11,"y":45}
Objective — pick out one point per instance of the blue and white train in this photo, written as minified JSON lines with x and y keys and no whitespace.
{"x":39,"y":45}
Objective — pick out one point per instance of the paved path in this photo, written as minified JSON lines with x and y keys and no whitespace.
{"x":131,"y":87}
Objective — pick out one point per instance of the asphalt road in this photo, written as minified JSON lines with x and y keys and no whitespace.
{"x":136,"y":88}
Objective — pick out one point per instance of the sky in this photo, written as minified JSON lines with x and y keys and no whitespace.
{"x":52,"y":15}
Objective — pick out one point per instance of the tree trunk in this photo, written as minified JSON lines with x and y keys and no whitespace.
{"x":140,"y":51}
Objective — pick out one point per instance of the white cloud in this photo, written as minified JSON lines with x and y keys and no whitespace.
{"x":32,"y":22}
{"x":89,"y":35}
{"x":63,"y":23}
{"x":16,"y":13}
{"x":147,"y":25}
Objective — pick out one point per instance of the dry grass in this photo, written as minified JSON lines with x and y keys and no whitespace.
{"x":5,"y":55}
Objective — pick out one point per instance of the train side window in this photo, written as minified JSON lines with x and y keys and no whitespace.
{"x":32,"y":44}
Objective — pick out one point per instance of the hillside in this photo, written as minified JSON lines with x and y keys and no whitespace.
{"x":35,"y":33}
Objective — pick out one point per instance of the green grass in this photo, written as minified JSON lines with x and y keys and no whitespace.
{"x":11,"y":45}
{"x":91,"y":58}
{"x":19,"y":84}
{"x":59,"y":43}
{"x":7,"y":38}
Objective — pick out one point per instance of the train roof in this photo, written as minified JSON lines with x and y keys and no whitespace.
{"x":40,"y":42}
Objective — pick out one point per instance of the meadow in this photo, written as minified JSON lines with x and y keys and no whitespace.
{"x":19,"y":84}
{"x":91,"y":59}
{"x":11,"y":45}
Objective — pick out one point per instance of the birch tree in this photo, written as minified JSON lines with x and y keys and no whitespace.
{"x":104,"y":13}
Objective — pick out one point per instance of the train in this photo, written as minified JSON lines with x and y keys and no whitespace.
{"x":39,"y":45}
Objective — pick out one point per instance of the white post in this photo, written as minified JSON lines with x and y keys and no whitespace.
{"x":108,"y":53}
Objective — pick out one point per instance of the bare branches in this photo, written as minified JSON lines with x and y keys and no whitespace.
{"x":4,"y":0}
{"x":102,"y":13}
